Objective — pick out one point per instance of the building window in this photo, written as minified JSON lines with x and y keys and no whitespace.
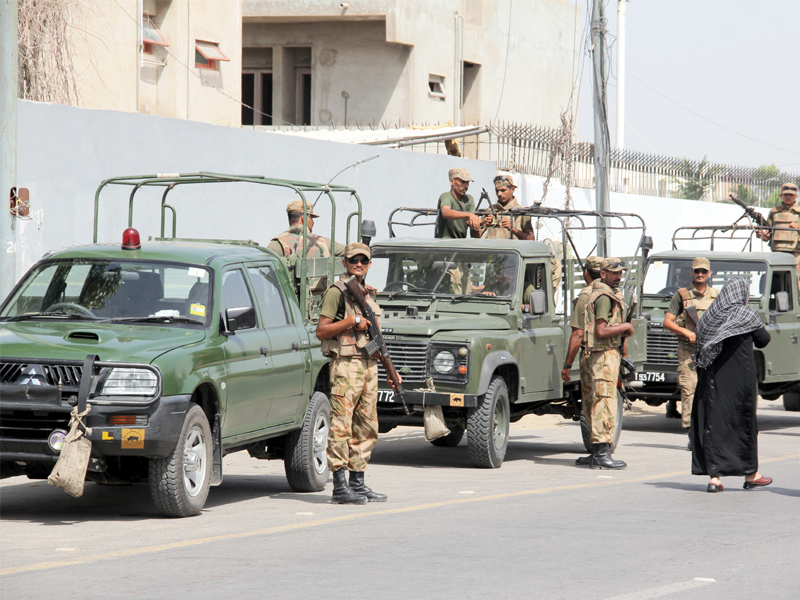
{"x":436,"y":87}
{"x":207,"y":55}
{"x":257,"y":92}
{"x":151,"y":36}
{"x":303,"y":97}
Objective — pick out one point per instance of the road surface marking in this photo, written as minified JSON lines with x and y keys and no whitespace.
{"x":665,"y":590}
{"x":340,"y":519}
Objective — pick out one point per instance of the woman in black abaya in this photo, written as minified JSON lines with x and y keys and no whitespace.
{"x":724,"y":409}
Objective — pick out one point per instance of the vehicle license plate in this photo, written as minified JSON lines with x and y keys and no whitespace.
{"x":651,"y":377}
{"x":385,"y":396}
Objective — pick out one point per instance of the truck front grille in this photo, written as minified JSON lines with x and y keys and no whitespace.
{"x":30,"y":426}
{"x":662,"y":347}
{"x":410,"y":360}
{"x":54,"y":374}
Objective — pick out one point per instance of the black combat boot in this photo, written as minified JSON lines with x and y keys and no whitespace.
{"x":359,"y":487}
{"x":601,"y":459}
{"x":672,"y":410}
{"x":584,"y":461}
{"x":342,"y":494}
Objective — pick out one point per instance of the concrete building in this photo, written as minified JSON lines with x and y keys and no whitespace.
{"x":174,"y":58}
{"x":319,"y":62}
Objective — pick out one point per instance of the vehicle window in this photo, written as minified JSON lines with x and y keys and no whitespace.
{"x":269,"y":297}
{"x":782,"y":281}
{"x":444,"y":272}
{"x":667,"y":276}
{"x":235,"y":294}
{"x":112,"y":290}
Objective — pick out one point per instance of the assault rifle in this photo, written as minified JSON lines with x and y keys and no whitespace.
{"x":376,"y":345}
{"x":627,"y":370}
{"x":753,"y":214}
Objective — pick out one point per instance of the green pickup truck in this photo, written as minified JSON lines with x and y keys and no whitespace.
{"x":477,"y":326}
{"x":186,"y":350}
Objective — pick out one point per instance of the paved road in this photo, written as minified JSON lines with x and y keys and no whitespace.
{"x":539,"y":527}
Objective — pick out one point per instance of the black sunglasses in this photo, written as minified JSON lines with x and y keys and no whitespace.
{"x":358,"y":260}
{"x":700,"y":271}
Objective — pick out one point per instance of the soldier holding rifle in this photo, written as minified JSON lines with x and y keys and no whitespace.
{"x":786,"y":217}
{"x":354,"y":380}
{"x":684,"y":312}
{"x":508,"y":228}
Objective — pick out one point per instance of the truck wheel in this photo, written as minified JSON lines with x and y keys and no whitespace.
{"x":179,"y":483}
{"x":451,"y":440}
{"x":306,"y":449}
{"x":586,"y":432}
{"x":791,"y":401}
{"x":487,"y":426}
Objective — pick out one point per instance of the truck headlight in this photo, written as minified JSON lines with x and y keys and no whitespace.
{"x":130,"y":382}
{"x":444,"y":361}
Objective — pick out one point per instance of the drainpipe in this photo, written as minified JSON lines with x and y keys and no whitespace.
{"x":458,"y":79}
{"x":9,"y":10}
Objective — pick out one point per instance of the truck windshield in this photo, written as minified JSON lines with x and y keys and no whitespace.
{"x":443,"y":272}
{"x":666,"y":276}
{"x":113,"y":290}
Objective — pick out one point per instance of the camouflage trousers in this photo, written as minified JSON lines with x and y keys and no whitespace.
{"x":687,"y":381}
{"x":354,"y":413}
{"x":599,"y":374}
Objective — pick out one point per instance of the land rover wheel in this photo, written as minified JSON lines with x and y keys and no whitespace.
{"x":179,"y":483}
{"x":306,"y":450}
{"x":450,"y":440}
{"x":487,"y":426}
{"x":586,"y":431}
{"x":791,"y":401}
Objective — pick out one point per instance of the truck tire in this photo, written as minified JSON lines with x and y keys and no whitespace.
{"x":305,"y":453}
{"x":179,"y":483}
{"x":487,"y":426}
{"x":451,"y":440}
{"x":586,"y":432}
{"x":791,"y":401}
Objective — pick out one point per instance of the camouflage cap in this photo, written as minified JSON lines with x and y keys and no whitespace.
{"x":356,"y":249}
{"x":789,"y":188}
{"x":504,"y":180}
{"x":594,"y":262}
{"x":614,"y":265}
{"x":459,"y":173}
{"x":296,"y":206}
{"x":701,"y":263}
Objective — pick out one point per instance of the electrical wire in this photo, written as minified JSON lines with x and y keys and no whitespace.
{"x":184,"y":65}
{"x":505,"y":68}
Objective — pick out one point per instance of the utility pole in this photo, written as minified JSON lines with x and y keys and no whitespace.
{"x":602,"y":143}
{"x":621,"y":74}
{"x":8,"y":140}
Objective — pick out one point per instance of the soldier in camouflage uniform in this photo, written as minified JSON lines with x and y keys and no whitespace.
{"x":685,"y":310}
{"x":354,"y":381}
{"x":591,"y":272}
{"x":787,"y":216}
{"x":604,"y":331}
{"x":291,"y":241}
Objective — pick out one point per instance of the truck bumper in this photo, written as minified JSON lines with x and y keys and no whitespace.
{"x":387,"y":398}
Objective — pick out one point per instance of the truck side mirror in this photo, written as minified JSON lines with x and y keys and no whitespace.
{"x":782,"y":302}
{"x":240,"y":318}
{"x":538,"y":302}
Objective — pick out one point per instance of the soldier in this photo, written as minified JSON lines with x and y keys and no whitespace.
{"x":786,"y":215}
{"x":457,"y":209}
{"x":604,"y":331}
{"x":684,"y":312}
{"x":354,"y":381}
{"x":591,"y":272}
{"x":291,"y":241}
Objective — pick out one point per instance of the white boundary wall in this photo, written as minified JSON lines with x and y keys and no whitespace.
{"x":65,"y":152}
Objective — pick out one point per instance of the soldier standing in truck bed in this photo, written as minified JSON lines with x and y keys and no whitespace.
{"x":787,"y":216}
{"x":291,"y":241}
{"x":457,"y":209}
{"x":684,"y":312}
{"x":354,"y":381}
{"x":604,"y":331}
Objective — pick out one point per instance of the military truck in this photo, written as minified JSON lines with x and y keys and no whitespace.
{"x":185,"y":349}
{"x":773,"y":294}
{"x":465,"y":335}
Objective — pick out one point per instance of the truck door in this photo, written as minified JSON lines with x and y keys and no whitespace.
{"x":290,"y":380}
{"x":543,"y":349}
{"x":247,"y":371}
{"x":782,"y":355}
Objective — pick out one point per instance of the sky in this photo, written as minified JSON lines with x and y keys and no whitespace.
{"x":715,"y":78}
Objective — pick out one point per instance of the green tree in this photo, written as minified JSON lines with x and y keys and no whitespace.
{"x":745,"y":194}
{"x":697,"y":178}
